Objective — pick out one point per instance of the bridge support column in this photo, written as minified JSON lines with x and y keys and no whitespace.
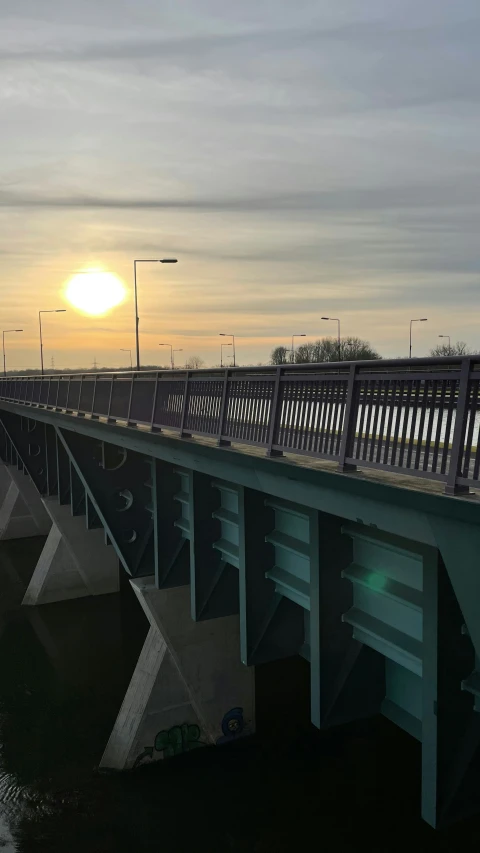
{"x":22,"y":513}
{"x":189,"y":687}
{"x":74,"y":563}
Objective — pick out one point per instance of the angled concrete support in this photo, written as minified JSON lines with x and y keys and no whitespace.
{"x":75,"y":562}
{"x":22,"y":513}
{"x":189,"y":687}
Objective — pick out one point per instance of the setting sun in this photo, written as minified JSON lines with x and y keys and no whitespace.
{"x":95,"y":292}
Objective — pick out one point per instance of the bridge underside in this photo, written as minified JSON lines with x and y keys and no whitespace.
{"x":375,"y":585}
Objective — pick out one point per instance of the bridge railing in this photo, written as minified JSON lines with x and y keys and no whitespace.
{"x":418,"y":417}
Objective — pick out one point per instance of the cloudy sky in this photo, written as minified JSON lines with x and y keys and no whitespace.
{"x":300,"y":159}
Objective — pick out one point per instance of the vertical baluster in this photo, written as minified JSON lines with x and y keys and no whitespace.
{"x":438,"y":431}
{"x":411,"y":437}
{"x":472,"y":409}
{"x":221,"y":441}
{"x":185,"y":406}
{"x":431,"y":417}
{"x":350,"y":422}
{"x":275,"y":415}
{"x":461,"y":415}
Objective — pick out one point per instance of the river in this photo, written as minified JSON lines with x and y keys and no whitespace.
{"x":63,"y":671}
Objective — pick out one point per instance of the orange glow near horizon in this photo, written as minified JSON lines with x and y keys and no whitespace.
{"x":94,"y":292}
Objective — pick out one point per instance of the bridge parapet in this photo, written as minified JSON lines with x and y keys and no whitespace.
{"x":413,"y":416}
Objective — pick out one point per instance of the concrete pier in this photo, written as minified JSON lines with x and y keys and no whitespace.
{"x":22,"y":513}
{"x":75,"y":562}
{"x":189,"y":687}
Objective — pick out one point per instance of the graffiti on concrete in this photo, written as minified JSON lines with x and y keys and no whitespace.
{"x":184,"y":738}
{"x":233,"y":725}
{"x":172,"y":742}
{"x":178,"y":739}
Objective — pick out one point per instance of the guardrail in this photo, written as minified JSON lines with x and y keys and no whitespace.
{"x":418,"y":417}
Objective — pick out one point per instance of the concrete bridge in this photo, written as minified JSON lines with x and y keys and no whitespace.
{"x":327,"y":511}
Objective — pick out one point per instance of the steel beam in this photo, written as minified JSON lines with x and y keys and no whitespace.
{"x":214,"y":582}
{"x":117,"y":486}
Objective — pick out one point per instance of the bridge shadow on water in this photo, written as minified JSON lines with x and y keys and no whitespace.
{"x":64,"y":669}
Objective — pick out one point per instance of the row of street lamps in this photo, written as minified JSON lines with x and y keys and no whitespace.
{"x":336,"y":320}
{"x":172,"y":350}
{"x":6,"y":331}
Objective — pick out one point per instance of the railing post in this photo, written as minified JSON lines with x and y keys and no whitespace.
{"x":185,"y":408}
{"x":461,"y":416}
{"x":223,"y":442}
{"x":274,"y":415}
{"x":80,"y":413}
{"x":58,"y":391}
{"x":68,"y":411}
{"x":154,"y":428}
{"x":349,"y":423}
{"x":93,"y":416}
{"x":132,"y":382}
{"x":109,"y":419}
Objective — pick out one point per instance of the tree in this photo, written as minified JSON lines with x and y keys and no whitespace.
{"x":194,"y":363}
{"x":354,"y":349}
{"x":279,"y":355}
{"x":458,"y":348}
{"x":326,"y":349}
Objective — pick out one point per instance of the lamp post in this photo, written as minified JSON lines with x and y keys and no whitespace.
{"x":129,"y":351}
{"x":336,"y":320}
{"x":48,"y":311}
{"x":224,"y":335}
{"x":293,"y":352}
{"x":137,"y":319}
{"x":173,"y":357}
{"x":221,"y":352}
{"x":3,"y":335}
{"x":171,"y":353}
{"x":449,"y":346}
{"x":417,"y":320}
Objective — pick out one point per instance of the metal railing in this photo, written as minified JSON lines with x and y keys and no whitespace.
{"x":419,"y":417}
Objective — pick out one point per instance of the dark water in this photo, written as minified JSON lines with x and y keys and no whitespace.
{"x":63,"y":671}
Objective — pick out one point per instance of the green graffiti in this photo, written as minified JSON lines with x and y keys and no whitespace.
{"x":178,"y":739}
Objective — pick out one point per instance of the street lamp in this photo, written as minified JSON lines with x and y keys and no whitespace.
{"x":293,"y":352}
{"x":417,"y":320}
{"x":171,"y":353}
{"x":446,"y":336}
{"x":336,"y":320}
{"x":48,"y":311}
{"x":130,"y":351}
{"x":223,"y":335}
{"x":173,"y":357}
{"x":3,"y":334}
{"x":144,"y":261}
{"x":221,"y":352}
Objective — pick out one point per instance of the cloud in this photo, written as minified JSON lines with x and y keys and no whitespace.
{"x":450,"y":191}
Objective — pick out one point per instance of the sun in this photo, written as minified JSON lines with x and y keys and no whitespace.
{"x":95,"y":292}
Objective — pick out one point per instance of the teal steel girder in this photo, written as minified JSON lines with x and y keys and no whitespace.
{"x":118,"y":485}
{"x":271,"y":626}
{"x":213,"y":581}
{"x":172,"y":552}
{"x":34,"y":443}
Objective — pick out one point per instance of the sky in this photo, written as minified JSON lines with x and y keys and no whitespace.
{"x":299,"y":159}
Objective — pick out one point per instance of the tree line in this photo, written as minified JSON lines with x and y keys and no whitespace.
{"x":325,"y":349}
{"x":350,"y":349}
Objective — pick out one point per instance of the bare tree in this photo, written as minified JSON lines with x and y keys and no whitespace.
{"x":194,"y":363}
{"x":279,"y":355}
{"x":326,"y":349}
{"x":457,"y":348}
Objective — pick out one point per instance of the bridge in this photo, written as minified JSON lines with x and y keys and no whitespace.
{"x":328,"y":511}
